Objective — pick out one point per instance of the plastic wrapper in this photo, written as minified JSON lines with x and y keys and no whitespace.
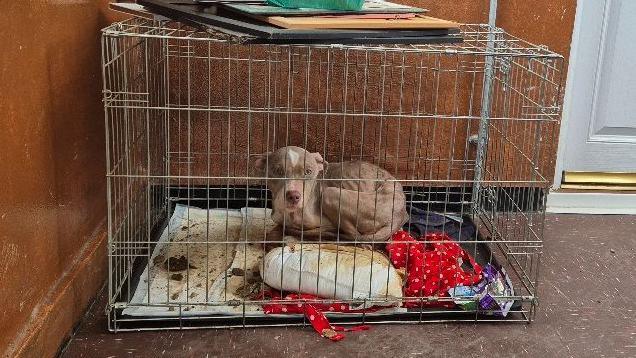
{"x":486,"y":296}
{"x":334,"y":272}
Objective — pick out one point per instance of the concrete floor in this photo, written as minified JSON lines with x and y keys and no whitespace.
{"x":588,"y":309}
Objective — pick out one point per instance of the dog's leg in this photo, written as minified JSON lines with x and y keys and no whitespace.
{"x":318,"y":234}
{"x":382,"y":235}
{"x":274,"y":238}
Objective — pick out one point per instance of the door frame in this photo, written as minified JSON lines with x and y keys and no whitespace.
{"x":588,"y":202}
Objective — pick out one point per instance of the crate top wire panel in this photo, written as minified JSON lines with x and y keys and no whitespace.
{"x":476,"y":37}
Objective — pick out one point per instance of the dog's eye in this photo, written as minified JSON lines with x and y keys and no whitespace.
{"x":308,"y":171}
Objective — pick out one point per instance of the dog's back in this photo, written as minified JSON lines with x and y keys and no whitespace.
{"x":368,"y":204}
{"x":356,"y":175}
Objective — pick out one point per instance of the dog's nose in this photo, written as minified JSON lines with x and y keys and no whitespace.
{"x":293,"y":196}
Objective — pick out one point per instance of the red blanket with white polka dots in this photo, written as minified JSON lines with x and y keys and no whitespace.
{"x":433,"y":265}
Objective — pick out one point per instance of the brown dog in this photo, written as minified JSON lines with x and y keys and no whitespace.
{"x":355,"y":201}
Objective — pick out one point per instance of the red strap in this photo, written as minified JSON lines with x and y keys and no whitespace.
{"x":314,"y":313}
{"x":321,"y":324}
{"x":352,"y":329}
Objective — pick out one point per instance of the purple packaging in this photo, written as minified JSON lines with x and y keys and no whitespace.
{"x":486,"y":295}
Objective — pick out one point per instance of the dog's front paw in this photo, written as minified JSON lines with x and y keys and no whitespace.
{"x":290,"y":241}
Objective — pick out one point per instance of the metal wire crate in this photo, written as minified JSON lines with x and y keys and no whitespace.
{"x":467,"y":129}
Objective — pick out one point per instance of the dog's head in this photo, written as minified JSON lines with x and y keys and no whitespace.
{"x":291,"y":172}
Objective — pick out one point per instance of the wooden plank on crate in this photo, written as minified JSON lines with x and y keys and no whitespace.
{"x":371,"y":16}
{"x":418,"y":22}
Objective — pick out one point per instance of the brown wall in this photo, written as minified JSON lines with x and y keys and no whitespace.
{"x":543,"y":22}
{"x":549,"y":24}
{"x":53,"y":208}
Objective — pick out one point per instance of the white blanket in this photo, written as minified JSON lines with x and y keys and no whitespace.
{"x":337,"y":272}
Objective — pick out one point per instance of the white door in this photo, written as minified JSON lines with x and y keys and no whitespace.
{"x":598,"y":133}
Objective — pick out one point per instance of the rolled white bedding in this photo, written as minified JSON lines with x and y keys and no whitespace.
{"x":311,"y":269}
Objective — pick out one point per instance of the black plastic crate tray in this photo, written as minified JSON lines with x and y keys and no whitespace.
{"x":229,"y":197}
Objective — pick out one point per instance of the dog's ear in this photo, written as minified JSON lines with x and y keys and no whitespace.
{"x":321,"y":162}
{"x":260,"y":165}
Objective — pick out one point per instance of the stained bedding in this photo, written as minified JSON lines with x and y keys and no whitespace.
{"x":201,"y":271}
{"x":207,"y":262}
{"x":176,"y":274}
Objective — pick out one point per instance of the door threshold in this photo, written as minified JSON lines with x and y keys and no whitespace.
{"x":591,"y":202}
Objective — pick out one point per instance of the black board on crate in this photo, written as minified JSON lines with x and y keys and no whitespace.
{"x":248,"y":30}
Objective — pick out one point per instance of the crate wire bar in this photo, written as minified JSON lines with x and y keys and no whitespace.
{"x":468,"y":129}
